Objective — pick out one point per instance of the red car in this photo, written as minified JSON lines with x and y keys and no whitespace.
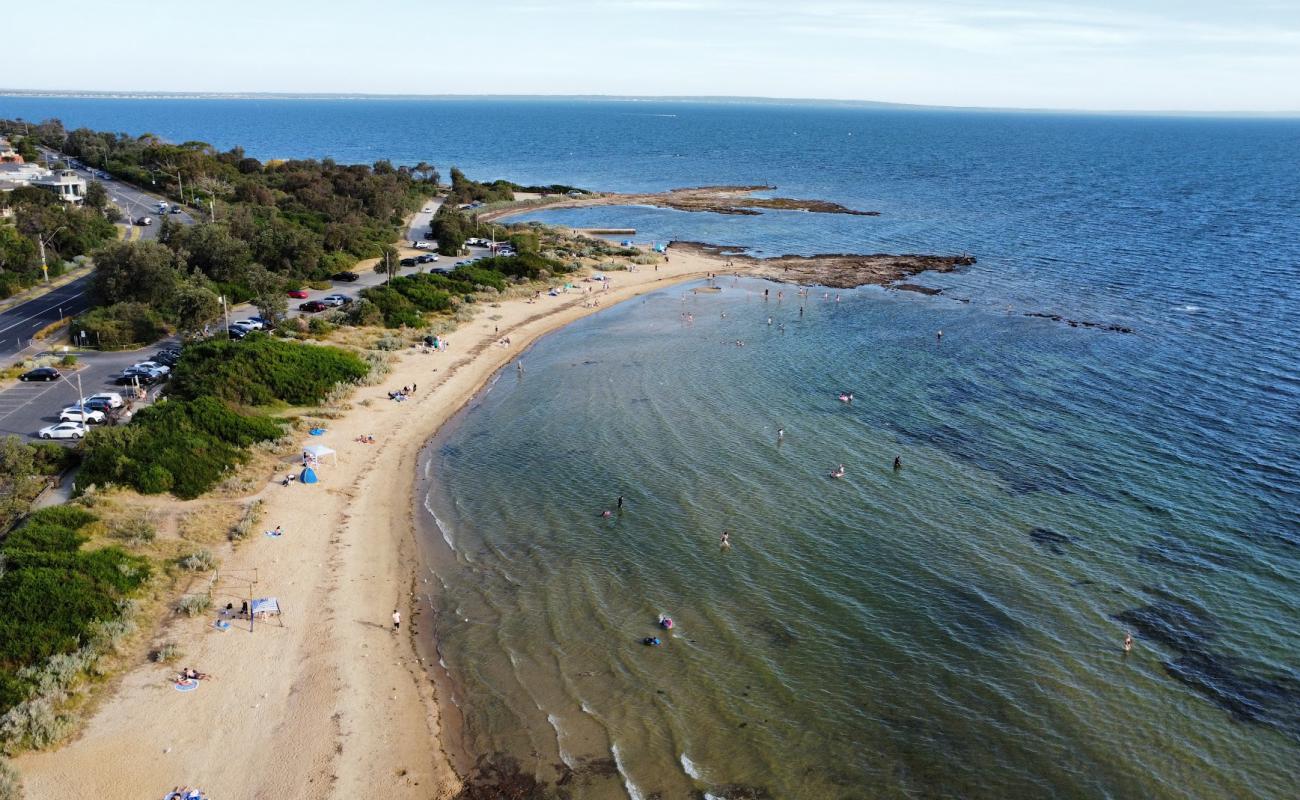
{"x":301,"y":294}
{"x":312,"y":306}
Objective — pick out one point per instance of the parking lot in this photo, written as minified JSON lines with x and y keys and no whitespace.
{"x":25,"y":408}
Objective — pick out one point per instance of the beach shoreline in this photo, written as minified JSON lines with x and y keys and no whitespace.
{"x":354,"y":710}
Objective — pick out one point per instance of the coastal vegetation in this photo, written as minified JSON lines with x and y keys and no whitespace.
{"x":261,"y":371}
{"x":25,"y":469}
{"x":67,"y":231}
{"x":62,"y":608}
{"x":180,"y":446}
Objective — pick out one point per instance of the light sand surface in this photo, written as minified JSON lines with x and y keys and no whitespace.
{"x":333,"y":704}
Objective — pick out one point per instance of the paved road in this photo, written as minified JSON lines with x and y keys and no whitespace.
{"x":20,"y":323}
{"x":133,"y":202}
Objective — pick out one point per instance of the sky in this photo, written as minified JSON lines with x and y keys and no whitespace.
{"x":1139,"y":55}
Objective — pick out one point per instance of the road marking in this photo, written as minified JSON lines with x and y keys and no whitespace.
{"x":60,"y":304}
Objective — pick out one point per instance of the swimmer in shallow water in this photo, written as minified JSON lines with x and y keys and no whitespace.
{"x":839,"y":472}
{"x":898,"y":463}
{"x":726,"y":540}
{"x":1128,"y":642}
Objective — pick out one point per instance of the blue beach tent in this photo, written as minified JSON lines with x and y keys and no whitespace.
{"x":308,"y":475}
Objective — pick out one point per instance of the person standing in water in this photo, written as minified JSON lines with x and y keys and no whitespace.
{"x":780,"y":434}
{"x":726,"y":540}
{"x":620,"y":502}
{"x":1128,"y":642}
{"x":898,"y":463}
{"x":938,"y":337}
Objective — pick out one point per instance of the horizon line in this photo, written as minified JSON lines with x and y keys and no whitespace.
{"x":735,"y":99}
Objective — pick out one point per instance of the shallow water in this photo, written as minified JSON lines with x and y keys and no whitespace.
{"x":951,"y":630}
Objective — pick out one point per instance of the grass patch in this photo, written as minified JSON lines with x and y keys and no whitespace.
{"x":261,"y":370}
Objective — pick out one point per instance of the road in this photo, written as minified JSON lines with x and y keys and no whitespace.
{"x":19,"y":324}
{"x":25,"y":408}
{"x":134,"y":202}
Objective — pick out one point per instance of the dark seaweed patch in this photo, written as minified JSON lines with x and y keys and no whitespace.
{"x":1228,"y":682}
{"x":777,"y":633}
{"x":1165,"y":550}
{"x":500,"y":778}
{"x":971,"y":615}
{"x":1050,"y":540}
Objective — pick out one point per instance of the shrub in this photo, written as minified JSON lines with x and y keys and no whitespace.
{"x":60,"y":608}
{"x":198,"y":561}
{"x":134,"y":530}
{"x":389,"y":343}
{"x":166,"y":652}
{"x":119,"y":325}
{"x":192,"y":605}
{"x":68,"y":361}
{"x":11,"y":783}
{"x":181,"y":446}
{"x":261,"y":370}
{"x":248,"y":522}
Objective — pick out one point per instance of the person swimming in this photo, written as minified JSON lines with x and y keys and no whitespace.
{"x":839,"y":472}
{"x":606,"y":514}
{"x":726,"y":539}
{"x":1128,"y":642}
{"x":780,"y":434}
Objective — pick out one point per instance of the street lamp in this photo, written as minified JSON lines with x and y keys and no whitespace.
{"x":42,"y":241}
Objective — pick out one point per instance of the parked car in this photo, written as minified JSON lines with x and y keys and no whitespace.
{"x":41,"y":374}
{"x":168,"y":357}
{"x":151,"y":366}
{"x":263,"y":321}
{"x":176,"y":209}
{"x":346,"y":277}
{"x":146,"y":221}
{"x":64,"y":430}
{"x":98,"y":404}
{"x":418,"y":245}
{"x":252,"y":323}
{"x":300,"y":294}
{"x":113,"y":399}
{"x":336,"y":300}
{"x":236,"y":332}
{"x":407,"y":262}
{"x":426,"y":258}
{"x":142,"y":377}
{"x":81,"y":414}
{"x":312,"y":306}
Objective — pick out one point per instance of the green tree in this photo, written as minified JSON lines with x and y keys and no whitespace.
{"x":268,"y":293}
{"x":194,"y":308}
{"x":17,"y":252}
{"x":96,"y":196}
{"x":143,"y":272}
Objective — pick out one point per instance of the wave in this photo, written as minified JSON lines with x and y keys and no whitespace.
{"x":569,"y":760}
{"x":632,"y":790}
{"x":691,"y":768}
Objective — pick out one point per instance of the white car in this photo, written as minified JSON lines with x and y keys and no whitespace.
{"x":114,"y":399}
{"x":152,"y":366}
{"x":250,"y":324}
{"x":336,"y":300}
{"x":418,"y":245}
{"x":64,"y":430}
{"x":84,"y":415}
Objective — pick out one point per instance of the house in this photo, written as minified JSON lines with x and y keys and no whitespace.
{"x":70,"y":187}
{"x":8,"y":155}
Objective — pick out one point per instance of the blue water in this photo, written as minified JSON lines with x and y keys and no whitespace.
{"x":951,"y":630}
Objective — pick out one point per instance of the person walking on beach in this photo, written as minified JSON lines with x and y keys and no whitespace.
{"x":397,"y":620}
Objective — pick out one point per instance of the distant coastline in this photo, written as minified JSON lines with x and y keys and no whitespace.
{"x":144,"y":94}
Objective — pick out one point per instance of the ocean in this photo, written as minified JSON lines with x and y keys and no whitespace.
{"x":949,"y":629}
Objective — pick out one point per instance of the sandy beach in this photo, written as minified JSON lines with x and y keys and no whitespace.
{"x":333,"y":703}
